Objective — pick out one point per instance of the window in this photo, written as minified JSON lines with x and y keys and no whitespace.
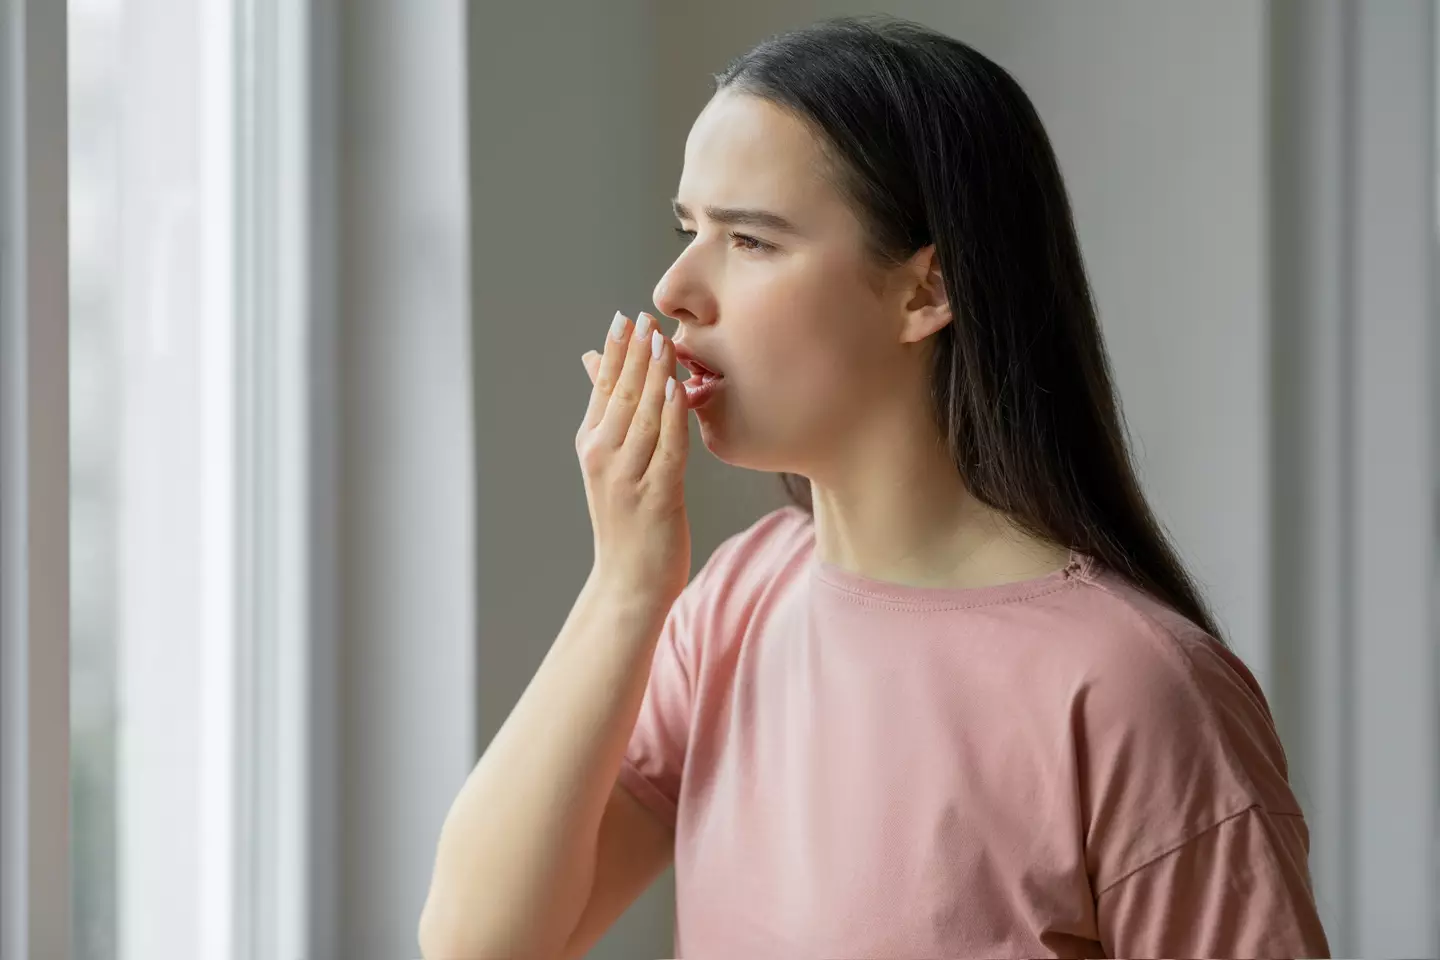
{"x":188,"y":414}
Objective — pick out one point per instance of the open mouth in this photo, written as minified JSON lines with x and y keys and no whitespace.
{"x":703,"y":381}
{"x":700,"y":372}
{"x":701,"y":387}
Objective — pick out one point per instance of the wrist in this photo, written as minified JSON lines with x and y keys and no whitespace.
{"x":625,"y":598}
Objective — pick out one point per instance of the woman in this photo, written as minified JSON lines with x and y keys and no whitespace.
{"x":962,"y":699}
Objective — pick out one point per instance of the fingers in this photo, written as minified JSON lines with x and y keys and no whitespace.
{"x":637,"y":408}
{"x":608,"y":370}
{"x":629,"y":385}
{"x":667,"y":463}
{"x":638,"y":446}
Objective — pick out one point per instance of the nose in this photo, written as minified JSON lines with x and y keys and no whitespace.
{"x":683,"y":295}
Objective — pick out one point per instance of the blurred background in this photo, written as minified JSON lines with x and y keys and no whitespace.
{"x":333,"y":265}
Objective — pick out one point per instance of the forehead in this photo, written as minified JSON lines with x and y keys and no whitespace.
{"x":745,"y":151}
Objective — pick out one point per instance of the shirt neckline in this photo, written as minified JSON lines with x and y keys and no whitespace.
{"x":865,"y":589}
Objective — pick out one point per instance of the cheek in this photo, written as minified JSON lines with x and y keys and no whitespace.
{"x":813,"y":308}
{"x":805,"y":373}
{"x":806,"y":335}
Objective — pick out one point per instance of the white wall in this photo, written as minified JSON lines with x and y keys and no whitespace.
{"x":1355,"y":513}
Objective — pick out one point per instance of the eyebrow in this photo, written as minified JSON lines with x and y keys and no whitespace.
{"x":734,"y":216}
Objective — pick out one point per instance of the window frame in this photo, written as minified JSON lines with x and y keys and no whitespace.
{"x":34,"y":483}
{"x":282,"y":776}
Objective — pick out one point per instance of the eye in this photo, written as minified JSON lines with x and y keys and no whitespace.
{"x":745,"y":241}
{"x":750,"y":243}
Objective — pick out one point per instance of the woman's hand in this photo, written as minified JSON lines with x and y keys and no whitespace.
{"x":632,"y":448}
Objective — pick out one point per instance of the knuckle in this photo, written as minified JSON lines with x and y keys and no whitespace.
{"x":626,"y":495}
{"x":592,"y":455}
{"x":655,"y":492}
{"x":628,"y":465}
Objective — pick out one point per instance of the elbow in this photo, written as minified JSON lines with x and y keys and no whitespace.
{"x":442,"y":939}
{"x":448,"y":935}
{"x":432,"y":940}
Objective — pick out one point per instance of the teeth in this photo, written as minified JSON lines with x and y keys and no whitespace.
{"x":698,"y":371}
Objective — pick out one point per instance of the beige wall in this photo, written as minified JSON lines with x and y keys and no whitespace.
{"x":1155,"y":111}
{"x":568,"y":227}
{"x":580,"y":123}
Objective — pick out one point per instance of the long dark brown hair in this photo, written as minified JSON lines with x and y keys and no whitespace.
{"x":934,"y":143}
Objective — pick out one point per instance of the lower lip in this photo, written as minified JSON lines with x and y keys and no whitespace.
{"x":700,"y":390}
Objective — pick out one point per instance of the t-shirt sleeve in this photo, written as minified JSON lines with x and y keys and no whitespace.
{"x":654,"y":760}
{"x":1195,"y":842}
{"x":1238,"y":889}
{"x":655,"y":757}
{"x":707,"y":614}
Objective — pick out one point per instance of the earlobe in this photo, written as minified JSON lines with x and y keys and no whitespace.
{"x":926,"y":320}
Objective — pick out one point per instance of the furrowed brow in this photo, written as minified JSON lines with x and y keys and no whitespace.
{"x":738,"y":217}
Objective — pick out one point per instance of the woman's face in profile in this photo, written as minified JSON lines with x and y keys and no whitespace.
{"x":774,"y":290}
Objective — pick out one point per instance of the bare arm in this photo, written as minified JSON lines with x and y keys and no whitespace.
{"x":538,"y":843}
{"x":635,"y":847}
{"x":517,"y":858}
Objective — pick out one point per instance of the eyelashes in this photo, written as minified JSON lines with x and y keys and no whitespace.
{"x":747,"y":242}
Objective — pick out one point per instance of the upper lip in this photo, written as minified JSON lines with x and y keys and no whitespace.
{"x":690,"y":361}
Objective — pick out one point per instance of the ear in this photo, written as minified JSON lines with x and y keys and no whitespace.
{"x":927,"y":303}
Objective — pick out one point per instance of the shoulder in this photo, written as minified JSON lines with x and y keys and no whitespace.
{"x":739,"y":574}
{"x":1174,"y":731}
{"x":1136,"y":661}
{"x":757,"y":554}
{"x":1151,"y":667}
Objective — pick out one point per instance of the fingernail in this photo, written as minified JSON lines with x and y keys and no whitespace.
{"x":657,"y":345}
{"x":617,"y":326}
{"x":670,"y":389}
{"x":642,"y":326}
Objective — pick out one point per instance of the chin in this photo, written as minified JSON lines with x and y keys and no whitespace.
{"x":715,"y":435}
{"x":731,"y":444}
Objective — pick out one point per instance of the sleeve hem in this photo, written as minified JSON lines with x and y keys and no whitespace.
{"x":1172,"y":848}
{"x":649,"y":795}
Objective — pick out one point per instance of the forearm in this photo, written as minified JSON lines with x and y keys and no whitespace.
{"x":516,"y":855}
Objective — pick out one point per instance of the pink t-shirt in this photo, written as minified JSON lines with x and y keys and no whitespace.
{"x":1059,"y":767}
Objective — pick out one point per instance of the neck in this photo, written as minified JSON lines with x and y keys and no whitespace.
{"x":895,"y":509}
